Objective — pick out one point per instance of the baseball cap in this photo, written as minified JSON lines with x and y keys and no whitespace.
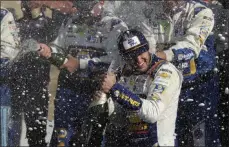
{"x":132,"y":43}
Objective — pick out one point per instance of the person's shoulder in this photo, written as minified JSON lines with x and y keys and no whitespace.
{"x":169,"y":72}
{"x":3,"y":13}
{"x":4,"y":10}
{"x":199,"y":5}
{"x":167,"y":67}
{"x":199,"y":9}
{"x":162,"y":66}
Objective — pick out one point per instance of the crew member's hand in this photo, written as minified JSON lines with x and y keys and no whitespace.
{"x":108,"y":82}
{"x":72,"y":64}
{"x":44,"y":50}
{"x":161,"y":55}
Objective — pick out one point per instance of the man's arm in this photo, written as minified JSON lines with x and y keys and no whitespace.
{"x":195,"y":36}
{"x":59,"y":46}
{"x":163,"y":91}
{"x":109,"y":28}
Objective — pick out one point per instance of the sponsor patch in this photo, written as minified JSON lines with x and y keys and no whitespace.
{"x":158,"y":88}
{"x":207,"y":18}
{"x":131,"y":42}
{"x":129,"y":100}
{"x":183,"y":65}
{"x":136,"y":124}
{"x":166,"y":70}
{"x":155,"y":98}
{"x":164,"y":75}
{"x":138,"y":128}
{"x":161,"y":81}
{"x":62,"y":133}
{"x":204,"y":31}
{"x":185,"y":57}
{"x":133,"y":117}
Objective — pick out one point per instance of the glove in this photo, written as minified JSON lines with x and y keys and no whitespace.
{"x":184,"y":59}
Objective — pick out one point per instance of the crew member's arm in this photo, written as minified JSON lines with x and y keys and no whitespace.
{"x":189,"y":47}
{"x":164,"y":90}
{"x":109,"y":26}
{"x":59,"y":46}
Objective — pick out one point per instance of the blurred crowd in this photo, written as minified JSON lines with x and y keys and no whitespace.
{"x":101,"y":49}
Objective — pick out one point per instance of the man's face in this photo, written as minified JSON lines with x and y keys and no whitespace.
{"x":141,"y":63}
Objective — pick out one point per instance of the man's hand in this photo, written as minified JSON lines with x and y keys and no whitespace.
{"x":72,"y":64}
{"x":161,"y":55}
{"x":44,"y":50}
{"x":108,"y":82}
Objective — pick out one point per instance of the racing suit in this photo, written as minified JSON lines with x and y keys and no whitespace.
{"x":9,"y":49}
{"x":143,"y":107}
{"x":184,"y":36}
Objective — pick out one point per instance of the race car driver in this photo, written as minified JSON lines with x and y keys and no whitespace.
{"x":180,"y":32}
{"x":143,"y":103}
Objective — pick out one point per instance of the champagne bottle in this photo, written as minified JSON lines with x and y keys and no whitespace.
{"x":97,"y":121}
{"x":57,"y":59}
